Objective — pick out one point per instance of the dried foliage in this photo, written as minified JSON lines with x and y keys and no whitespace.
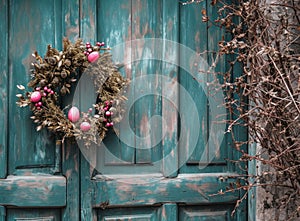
{"x":266,"y":97}
{"x":52,"y":79}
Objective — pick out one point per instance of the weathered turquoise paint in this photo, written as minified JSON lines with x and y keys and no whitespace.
{"x":3,"y":87}
{"x":155,"y":190}
{"x":27,"y":148}
{"x":204,"y":213}
{"x":2,"y":213}
{"x":146,"y":17}
{"x":33,"y":191}
{"x":193,"y":34}
{"x":169,"y":113}
{"x":70,"y":18}
{"x":169,"y":212}
{"x":33,"y":215}
{"x":58,"y":177}
{"x":114,"y":27}
{"x":34,"y":157}
{"x":88,"y":22}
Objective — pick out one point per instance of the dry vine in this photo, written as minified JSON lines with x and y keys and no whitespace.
{"x":265,"y":40}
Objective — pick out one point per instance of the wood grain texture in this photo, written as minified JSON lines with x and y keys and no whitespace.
{"x":88,"y":25}
{"x":201,"y":213}
{"x":86,"y":191}
{"x":28,"y":149}
{"x":216,"y":34}
{"x":33,"y":214}
{"x":170,"y":88}
{"x":2,"y":213}
{"x":77,"y":194}
{"x":33,"y":191}
{"x":3,"y":86}
{"x":70,"y":151}
{"x":130,"y":214}
{"x":169,"y":212}
{"x":148,"y":190}
{"x":70,"y":169}
{"x":193,"y":34}
{"x":146,"y":23}
{"x":113,"y":27}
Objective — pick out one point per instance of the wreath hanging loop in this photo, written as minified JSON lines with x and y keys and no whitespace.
{"x":53,"y":78}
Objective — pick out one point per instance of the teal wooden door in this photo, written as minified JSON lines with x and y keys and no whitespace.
{"x":34,"y":183}
{"x":147,"y":171}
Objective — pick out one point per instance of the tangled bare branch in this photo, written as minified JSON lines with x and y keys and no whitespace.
{"x":266,"y":97}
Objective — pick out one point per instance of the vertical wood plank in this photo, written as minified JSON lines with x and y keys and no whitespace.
{"x":58,"y":159}
{"x":88,"y":32}
{"x":170,"y":87}
{"x":146,"y":23}
{"x":240,"y":131}
{"x":88,"y":21}
{"x":2,"y":213}
{"x":29,"y":149}
{"x":193,"y":34}
{"x":57,"y":14}
{"x":169,"y":212}
{"x":3,"y":87}
{"x":70,"y":19}
{"x":71,"y":152}
{"x":114,"y":28}
{"x":71,"y":171}
{"x":216,"y":34}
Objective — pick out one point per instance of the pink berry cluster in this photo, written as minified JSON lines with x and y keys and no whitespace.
{"x":37,"y":95}
{"x":90,"y":48}
{"x":107,"y":113}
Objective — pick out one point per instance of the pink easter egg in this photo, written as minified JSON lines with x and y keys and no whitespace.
{"x":35,"y":96}
{"x":74,"y":114}
{"x":85,"y":126}
{"x":92,"y":57}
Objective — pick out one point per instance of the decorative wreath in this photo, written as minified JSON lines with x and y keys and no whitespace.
{"x":53,"y":78}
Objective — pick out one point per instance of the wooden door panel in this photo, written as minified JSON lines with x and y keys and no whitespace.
{"x":206,"y":156}
{"x":133,"y":20}
{"x":114,"y":27}
{"x":205,"y":213}
{"x":193,"y":34}
{"x":29,"y":21}
{"x":33,"y":191}
{"x":135,"y":181}
{"x":141,"y":187}
{"x":29,"y":190}
{"x":145,"y":24}
{"x":149,"y":190}
{"x":33,"y":215}
{"x":128,"y":214}
{"x":164,"y":212}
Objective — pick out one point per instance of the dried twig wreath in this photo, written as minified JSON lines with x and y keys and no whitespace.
{"x":53,"y":77}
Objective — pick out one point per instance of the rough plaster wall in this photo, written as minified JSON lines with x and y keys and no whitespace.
{"x":269,"y":199}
